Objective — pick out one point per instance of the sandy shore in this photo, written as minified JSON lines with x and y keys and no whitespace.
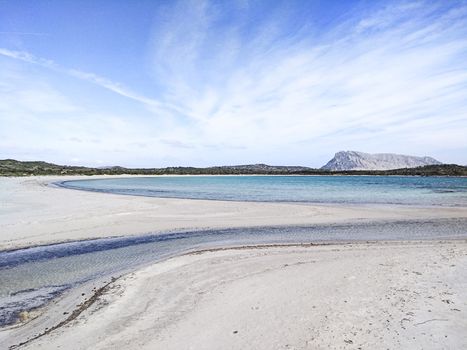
{"x":361,"y":296}
{"x":32,"y":213}
{"x":409,"y":295}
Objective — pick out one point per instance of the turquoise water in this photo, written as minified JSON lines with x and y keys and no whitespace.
{"x":442,"y":191}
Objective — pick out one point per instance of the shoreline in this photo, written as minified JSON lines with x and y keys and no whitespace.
{"x":112,"y":294}
{"x":291,"y":227}
{"x":61,"y":184}
{"x":170,"y":175}
{"x":34,"y":213}
{"x":37,"y":214}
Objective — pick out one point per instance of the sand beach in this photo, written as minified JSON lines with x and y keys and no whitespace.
{"x":409,"y":295}
{"x":35,"y":213}
{"x":362,"y":296}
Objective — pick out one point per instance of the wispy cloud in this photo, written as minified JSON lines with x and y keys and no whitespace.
{"x":248,"y":82}
{"x":384,"y":69}
{"x":90,"y":77}
{"x":24,"y":33}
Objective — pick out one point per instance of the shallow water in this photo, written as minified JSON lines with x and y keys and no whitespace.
{"x":33,"y":276}
{"x":441,"y":191}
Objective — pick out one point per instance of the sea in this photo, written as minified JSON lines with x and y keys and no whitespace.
{"x":405,"y":190}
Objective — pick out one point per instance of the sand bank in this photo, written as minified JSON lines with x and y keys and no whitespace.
{"x":361,"y":296}
{"x":32,"y":213}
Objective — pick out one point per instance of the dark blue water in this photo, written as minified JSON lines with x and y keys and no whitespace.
{"x":31,"y":277}
{"x":424,"y":191}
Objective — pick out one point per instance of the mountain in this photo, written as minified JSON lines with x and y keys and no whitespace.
{"x":351,"y":160}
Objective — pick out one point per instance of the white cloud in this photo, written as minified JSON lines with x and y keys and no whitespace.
{"x":249,"y":88}
{"x":411,"y":68}
{"x":90,"y":77}
{"x":22,"y":96}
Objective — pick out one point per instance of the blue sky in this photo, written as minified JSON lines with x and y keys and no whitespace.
{"x":159,"y":83}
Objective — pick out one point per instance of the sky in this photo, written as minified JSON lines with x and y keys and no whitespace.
{"x":200,"y":83}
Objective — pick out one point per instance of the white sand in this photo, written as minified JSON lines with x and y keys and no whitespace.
{"x":33,"y":213}
{"x":380,"y":296}
{"x":385,"y":295}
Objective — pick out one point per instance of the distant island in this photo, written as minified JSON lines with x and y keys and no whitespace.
{"x":352,"y":160}
{"x":11,"y":167}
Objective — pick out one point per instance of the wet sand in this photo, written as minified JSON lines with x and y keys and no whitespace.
{"x":398,"y":295}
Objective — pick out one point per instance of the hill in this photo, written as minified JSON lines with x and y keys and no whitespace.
{"x":11,"y":167}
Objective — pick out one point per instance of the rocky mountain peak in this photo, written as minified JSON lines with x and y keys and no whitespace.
{"x":353,"y":160}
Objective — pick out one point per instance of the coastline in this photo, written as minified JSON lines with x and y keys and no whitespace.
{"x":38,"y":214}
{"x":417,"y":296}
{"x":34,"y":213}
{"x":62,"y":184}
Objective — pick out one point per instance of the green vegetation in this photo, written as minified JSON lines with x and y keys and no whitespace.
{"x":11,"y":167}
